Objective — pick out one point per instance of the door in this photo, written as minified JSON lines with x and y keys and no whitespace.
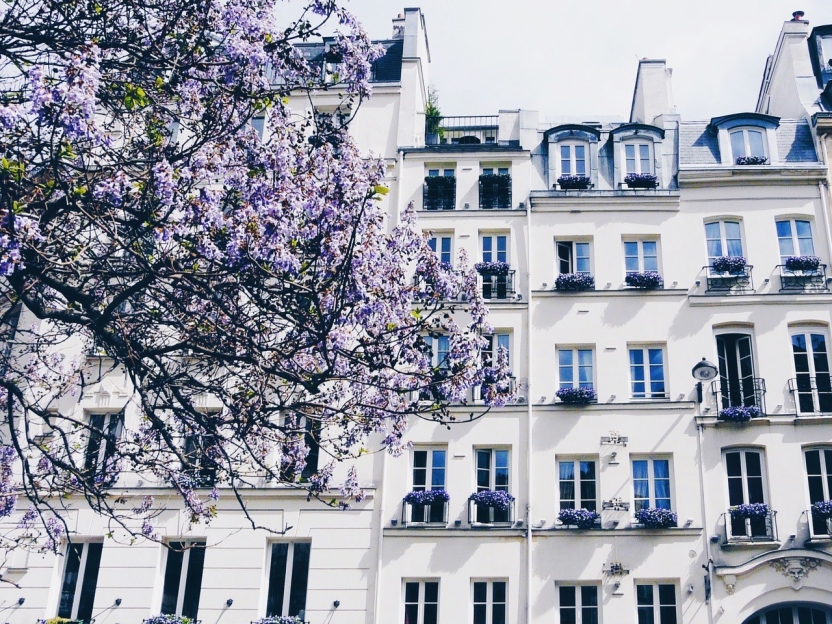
{"x":811,"y":364}
{"x":745,"y":486}
{"x":736,"y":371}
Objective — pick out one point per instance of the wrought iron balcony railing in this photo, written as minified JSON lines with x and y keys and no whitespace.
{"x":758,"y":529}
{"x":812,"y":394}
{"x":747,"y":392}
{"x":803,"y":281}
{"x":498,"y":286}
{"x":439,"y":193}
{"x":729,"y":283}
{"x":495,"y":192}
{"x":470,"y":130}
{"x":485,"y":515}
{"x":428,"y":514}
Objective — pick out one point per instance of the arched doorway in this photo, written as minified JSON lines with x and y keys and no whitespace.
{"x":793,"y":613}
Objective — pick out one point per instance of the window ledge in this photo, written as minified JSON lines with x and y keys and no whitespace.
{"x":455,"y":532}
{"x":620,"y":292}
{"x":472,"y":213}
{"x":560,"y":531}
{"x":703,"y":300}
{"x":634,"y":405}
{"x":777,"y":174}
{"x":710,"y":420}
{"x":751,"y":545}
{"x":653,"y":200}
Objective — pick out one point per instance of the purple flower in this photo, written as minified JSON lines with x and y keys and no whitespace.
{"x":279,"y":619}
{"x":426,"y":497}
{"x":641,"y":180}
{"x":735,"y":265}
{"x":646,"y":280}
{"x":499,"y":499}
{"x":578,"y":396}
{"x":822,"y":509}
{"x":574,"y":281}
{"x":802,"y":263}
{"x":167,"y":619}
{"x":749,"y":510}
{"x":751,"y":160}
{"x":573,"y":182}
{"x":581,"y":518}
{"x":656,"y":518}
{"x":739,"y":413}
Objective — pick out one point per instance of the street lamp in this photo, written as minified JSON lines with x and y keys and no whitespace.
{"x":703,"y":371}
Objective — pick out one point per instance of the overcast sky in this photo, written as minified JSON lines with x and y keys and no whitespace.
{"x":579,"y":58}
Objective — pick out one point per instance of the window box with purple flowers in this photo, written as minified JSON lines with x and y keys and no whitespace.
{"x":579,"y":518}
{"x":491,"y":507}
{"x":656,"y":518}
{"x":425,"y":497}
{"x":279,"y":619}
{"x":734,"y":265}
{"x":641,"y":181}
{"x":751,"y":160}
{"x":492,"y":268}
{"x":739,"y":413}
{"x":749,"y":511}
{"x":823,"y":509}
{"x":421,"y":507}
{"x":802,"y":263}
{"x":648,"y":280}
{"x":169,"y":618}
{"x":574,"y":281}
{"x":577,"y":396}
{"x":573,"y":182}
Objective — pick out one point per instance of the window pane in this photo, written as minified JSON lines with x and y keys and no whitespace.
{"x":173,"y":570}
{"x":644,"y":157}
{"x":755,"y":143}
{"x":73,"y":563}
{"x":90,"y":581}
{"x":193,"y":581}
{"x":480,"y":591}
{"x":737,"y":144}
{"x":630,"y":152}
{"x":300,"y":575}
{"x":644,"y":595}
{"x":277,"y":579}
{"x":431,"y":592}
{"x":567,"y":596}
{"x":499,"y":591}
{"x":565,"y":160}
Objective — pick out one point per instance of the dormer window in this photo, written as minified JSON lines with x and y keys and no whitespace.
{"x":637,"y":157}
{"x":748,"y":146}
{"x":573,"y":157}
{"x":746,"y":138}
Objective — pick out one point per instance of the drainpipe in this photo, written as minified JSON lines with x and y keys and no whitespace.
{"x":529,"y":412}
{"x":705,"y":537}
{"x":380,"y":544}
{"x":823,"y":188}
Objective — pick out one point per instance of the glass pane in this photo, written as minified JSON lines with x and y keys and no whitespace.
{"x":173,"y":570}
{"x":90,"y":581}
{"x":73,"y":562}
{"x":499,"y":591}
{"x":640,"y":469}
{"x":431,"y":591}
{"x":567,"y":596}
{"x":630,"y":152}
{"x":644,"y":595}
{"x":480,"y":591}
{"x":411,"y":592}
{"x":193,"y":581}
{"x":737,"y":144}
{"x":644,"y":158}
{"x":755,"y":143}
{"x":300,"y":576}
{"x":661,"y":468}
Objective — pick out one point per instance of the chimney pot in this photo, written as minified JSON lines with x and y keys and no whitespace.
{"x":797,"y":16}
{"x":401,"y":16}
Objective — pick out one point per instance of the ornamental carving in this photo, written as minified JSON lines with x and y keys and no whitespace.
{"x":795,"y":568}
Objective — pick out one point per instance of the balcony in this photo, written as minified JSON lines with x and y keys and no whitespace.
{"x":498,"y":286}
{"x":471,"y":130}
{"x":759,"y":528}
{"x":725,"y":283}
{"x":812,"y":394}
{"x":434,"y":513}
{"x":813,"y":280}
{"x":495,"y":192}
{"x":439,"y":193}
{"x":748,"y":392}
{"x":484,"y":514}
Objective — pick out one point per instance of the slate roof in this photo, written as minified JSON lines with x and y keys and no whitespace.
{"x":698,"y":143}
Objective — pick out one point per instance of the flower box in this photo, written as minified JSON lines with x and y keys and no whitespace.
{"x":167,"y":618}
{"x":749,"y":510}
{"x":492,"y":268}
{"x":576,"y":396}
{"x":751,"y":160}
{"x":574,"y":281}
{"x":802,"y":263}
{"x":822,"y":510}
{"x":60,"y":620}
{"x":735,"y":265}
{"x":739,"y":413}
{"x":498,"y":499}
{"x":656,"y":518}
{"x":580,"y":518}
{"x":641,"y":181}
{"x":279,"y":619}
{"x":646,"y":281}
{"x":426,"y":497}
{"x":573,"y":182}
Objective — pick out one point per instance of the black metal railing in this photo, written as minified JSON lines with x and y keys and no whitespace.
{"x":485,"y":515}
{"x":465,"y":130}
{"x":757,"y":529}
{"x":812,"y":393}
{"x":495,"y":192}
{"x":729,"y":283}
{"x":747,"y":392}
{"x":439,"y":193}
{"x":802,"y":281}
{"x":819,"y":526}
{"x":415,"y":514}
{"x":498,"y":286}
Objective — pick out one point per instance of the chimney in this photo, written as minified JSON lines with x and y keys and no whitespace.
{"x":398,"y":26}
{"x":653,"y":95}
{"x":797,"y":16}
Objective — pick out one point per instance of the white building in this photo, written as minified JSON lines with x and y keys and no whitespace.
{"x":651,"y":438}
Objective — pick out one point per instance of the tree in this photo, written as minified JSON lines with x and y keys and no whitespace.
{"x":144,"y":220}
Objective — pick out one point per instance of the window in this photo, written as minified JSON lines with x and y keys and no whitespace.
{"x":492,"y":474}
{"x":429,"y":467}
{"x":744,"y":470}
{"x":647,"y":377}
{"x":573,"y":257}
{"x":288,"y":576}
{"x":183,"y":578}
{"x":795,"y":239}
{"x":578,"y":604}
{"x":81,"y":563}
{"x":311,"y":429}
{"x":747,"y":142}
{"x":651,"y":483}
{"x":198,"y":463}
{"x":494,"y":247}
{"x":575,"y":368}
{"x":737,"y":384}
{"x":259,"y":125}
{"x":489,"y":352}
{"x":724,"y":239}
{"x":421,"y":602}
{"x":578,"y":484}
{"x":573,"y":159}
{"x":813,"y":383}
{"x":641,"y":256}
{"x":490,"y":170}
{"x":656,"y":603}
{"x":819,"y":473}
{"x":490,"y":602}
{"x":792,"y":614}
{"x":439,"y":347}
{"x":637,"y":158}
{"x":441,"y":246}
{"x":104,"y":432}
{"x":434,"y":173}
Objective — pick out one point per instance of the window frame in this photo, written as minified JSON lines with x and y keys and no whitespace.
{"x":572,"y":246}
{"x":288,"y":577}
{"x":641,"y":256}
{"x":104,"y":439}
{"x":723,"y":238}
{"x":579,"y":606}
{"x":422,"y":598}
{"x":494,"y":238}
{"x":436,"y":242}
{"x":638,"y":156}
{"x":84,"y":579}
{"x":825,"y":474}
{"x":812,"y":356}
{"x":573,"y":159}
{"x":651,"y":481}
{"x":577,"y":482}
{"x":489,"y":601}
{"x":429,"y":468}
{"x":656,"y":603}
{"x":488,"y":354}
{"x":576,"y":366}
{"x":647,"y":367}
{"x":745,"y":130}
{"x":749,"y":530}
{"x":189,"y":545}
{"x":435,"y":342}
{"x":794,"y":238}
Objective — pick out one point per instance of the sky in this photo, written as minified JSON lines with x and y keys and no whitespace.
{"x":579,"y":58}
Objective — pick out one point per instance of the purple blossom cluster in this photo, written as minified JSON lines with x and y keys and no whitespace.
{"x":426,"y":497}
{"x":802,"y":263}
{"x":577,"y":396}
{"x":641,"y":180}
{"x":656,"y":518}
{"x":739,"y":413}
{"x":499,"y":499}
{"x":735,"y":265}
{"x":574,"y":182}
{"x":749,"y":510}
{"x":647,"y":280}
{"x":574,"y":281}
{"x":822,"y":509}
{"x":8,"y":489}
{"x":581,"y":518}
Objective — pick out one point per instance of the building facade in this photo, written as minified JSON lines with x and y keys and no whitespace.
{"x":616,"y":254}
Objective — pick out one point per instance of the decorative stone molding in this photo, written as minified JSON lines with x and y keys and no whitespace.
{"x":796,"y":568}
{"x":795,"y":564}
{"x":730,"y":581}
